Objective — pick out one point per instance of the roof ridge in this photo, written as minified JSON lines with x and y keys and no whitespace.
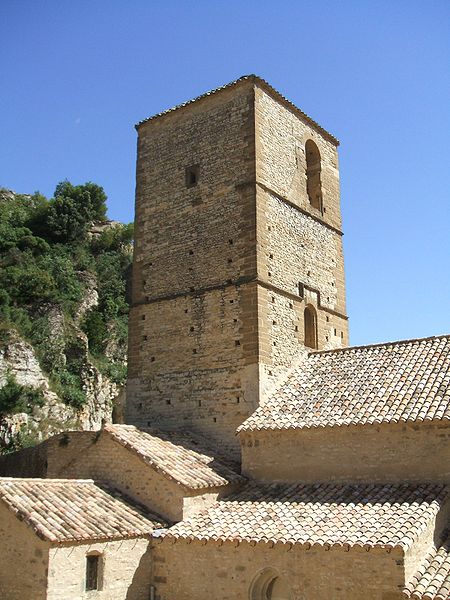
{"x":262,"y":82}
{"x":45,"y":480}
{"x":380,"y":344}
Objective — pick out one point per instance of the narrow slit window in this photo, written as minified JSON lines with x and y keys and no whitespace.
{"x":92,"y":572}
{"x":192,"y":176}
{"x":310,"y":318}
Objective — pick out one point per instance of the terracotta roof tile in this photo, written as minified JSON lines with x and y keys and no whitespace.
{"x":64,"y":510}
{"x":263,"y":84}
{"x":323,"y":514}
{"x":432,"y":581}
{"x":178,"y":455}
{"x":392,"y":382}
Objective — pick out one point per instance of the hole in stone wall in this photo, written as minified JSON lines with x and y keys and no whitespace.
{"x":237,"y":343}
{"x":191,"y":329}
{"x":167,"y":401}
{"x":144,"y":338}
{"x":230,"y":242}
{"x":194,"y":351}
{"x":152,"y":359}
{"x":230,"y":260}
{"x":192,"y":175}
{"x":143,"y":317}
{"x":191,"y":252}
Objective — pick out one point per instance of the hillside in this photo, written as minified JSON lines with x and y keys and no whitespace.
{"x":64,"y":269}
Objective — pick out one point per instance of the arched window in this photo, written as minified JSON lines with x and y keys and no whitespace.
{"x":268,"y":585}
{"x":313,"y":168}
{"x":310,"y":318}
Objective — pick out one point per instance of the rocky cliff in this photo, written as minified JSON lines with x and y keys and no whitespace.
{"x":63,"y":317}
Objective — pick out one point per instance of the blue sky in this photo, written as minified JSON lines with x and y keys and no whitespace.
{"x":77,"y":75}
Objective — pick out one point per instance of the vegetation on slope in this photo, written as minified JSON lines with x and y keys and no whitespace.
{"x":51,"y":265}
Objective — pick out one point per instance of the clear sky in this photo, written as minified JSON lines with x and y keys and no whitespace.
{"x":76,"y":75}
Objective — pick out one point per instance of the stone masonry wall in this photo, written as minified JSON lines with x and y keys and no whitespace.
{"x":100,"y":458}
{"x":217,"y":316}
{"x":192,"y":337}
{"x":124,"y":574}
{"x":203,"y":571}
{"x":23,"y":562}
{"x":372,"y":453}
{"x":296,"y":242}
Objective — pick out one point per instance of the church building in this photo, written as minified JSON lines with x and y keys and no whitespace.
{"x":261,"y":457}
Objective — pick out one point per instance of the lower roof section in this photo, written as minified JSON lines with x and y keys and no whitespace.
{"x":432,"y":581}
{"x":384,"y":516}
{"x":178,"y":455}
{"x":74,"y":510}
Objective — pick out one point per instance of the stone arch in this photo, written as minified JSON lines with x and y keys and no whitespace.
{"x":269,"y":585}
{"x":310,"y":326}
{"x":313,"y":171}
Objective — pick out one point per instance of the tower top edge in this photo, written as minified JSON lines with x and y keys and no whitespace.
{"x":258,"y":81}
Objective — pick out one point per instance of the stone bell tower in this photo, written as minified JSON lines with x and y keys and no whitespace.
{"x":238,"y":265}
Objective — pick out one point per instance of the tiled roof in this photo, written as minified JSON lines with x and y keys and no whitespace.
{"x":263,"y":84}
{"x":177,"y":455}
{"x":323,"y":514}
{"x":393,"y":382}
{"x":65,"y":510}
{"x":432,"y":581}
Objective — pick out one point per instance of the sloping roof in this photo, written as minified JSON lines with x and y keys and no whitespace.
{"x":68,"y":510}
{"x":179,"y":456}
{"x":323,"y":514}
{"x":264,"y":85}
{"x":432,"y":581}
{"x":383,"y":383}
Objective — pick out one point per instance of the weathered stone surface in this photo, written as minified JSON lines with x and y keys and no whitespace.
{"x":217,"y":317}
